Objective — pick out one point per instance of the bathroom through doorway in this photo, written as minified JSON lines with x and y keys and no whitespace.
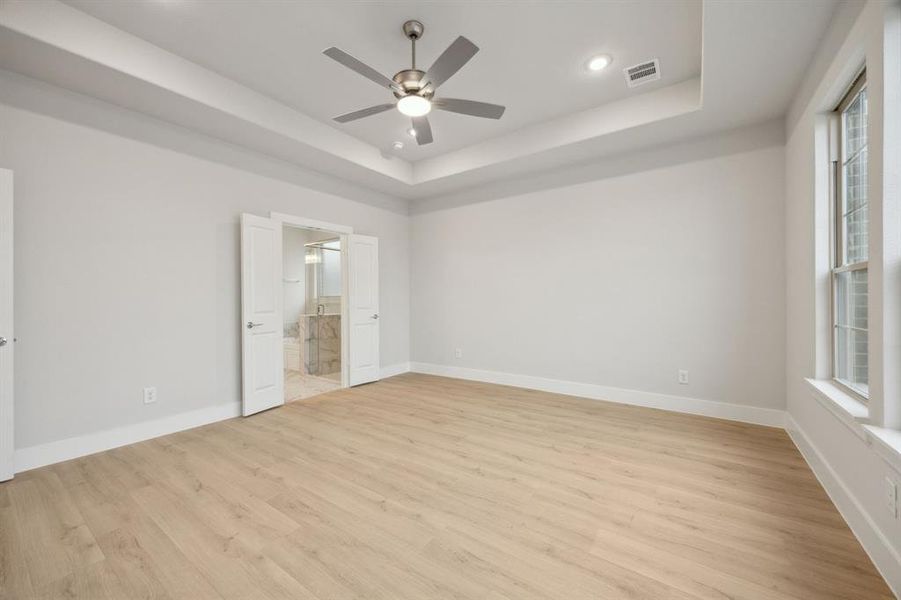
{"x":312,"y":290}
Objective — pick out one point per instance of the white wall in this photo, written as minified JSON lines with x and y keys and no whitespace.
{"x":127,"y":273}
{"x":619,"y":282}
{"x":849,"y":467}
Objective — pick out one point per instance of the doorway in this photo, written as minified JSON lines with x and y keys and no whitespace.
{"x":313,"y":294}
{"x":309,"y":309}
{"x":7,"y":337}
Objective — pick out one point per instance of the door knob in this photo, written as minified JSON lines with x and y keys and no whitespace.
{"x":375,"y":316}
{"x":251,"y":324}
{"x":2,"y":341}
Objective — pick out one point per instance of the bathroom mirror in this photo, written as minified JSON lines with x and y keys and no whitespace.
{"x":330,"y":269}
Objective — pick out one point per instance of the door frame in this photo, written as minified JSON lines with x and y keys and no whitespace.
{"x":7,"y":327}
{"x":343,"y":231}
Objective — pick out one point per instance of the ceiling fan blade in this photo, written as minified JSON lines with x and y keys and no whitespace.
{"x":423,"y":130}
{"x":450,"y":61}
{"x":366,"y":112}
{"x":470,"y":107}
{"x":360,"y":67}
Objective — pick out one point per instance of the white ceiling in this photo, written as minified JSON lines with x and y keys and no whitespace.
{"x":251,"y":73}
{"x":532,"y":54}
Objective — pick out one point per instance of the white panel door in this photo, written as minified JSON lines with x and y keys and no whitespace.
{"x":7,"y":448}
{"x":261,"y":314}
{"x":363,"y":312}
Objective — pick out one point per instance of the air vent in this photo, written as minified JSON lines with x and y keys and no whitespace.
{"x":642,"y":73}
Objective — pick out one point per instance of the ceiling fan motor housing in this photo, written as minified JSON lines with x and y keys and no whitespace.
{"x":409,"y":80}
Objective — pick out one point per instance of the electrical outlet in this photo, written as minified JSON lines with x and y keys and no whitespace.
{"x":683,"y":376}
{"x":149,"y":395}
{"x":891,"y":497}
{"x":458,"y":353}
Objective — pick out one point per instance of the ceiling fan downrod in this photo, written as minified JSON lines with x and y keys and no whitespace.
{"x":413,"y":30}
{"x":411,"y":80}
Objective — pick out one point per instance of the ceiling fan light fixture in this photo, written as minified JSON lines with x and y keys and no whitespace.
{"x":414,"y":106}
{"x":599,"y":62}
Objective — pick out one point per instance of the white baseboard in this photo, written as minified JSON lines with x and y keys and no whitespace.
{"x":54,"y":452}
{"x":874,"y":542}
{"x":723,"y":410}
{"x":58,"y":451}
{"x":392,"y":370}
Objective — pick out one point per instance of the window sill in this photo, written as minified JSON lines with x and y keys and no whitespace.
{"x":855,"y":415}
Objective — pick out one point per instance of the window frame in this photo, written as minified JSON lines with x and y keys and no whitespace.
{"x":837,"y":237}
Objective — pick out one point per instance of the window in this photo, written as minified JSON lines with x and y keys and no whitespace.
{"x":851,"y":237}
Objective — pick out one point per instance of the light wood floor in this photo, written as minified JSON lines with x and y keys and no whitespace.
{"x":421,"y":487}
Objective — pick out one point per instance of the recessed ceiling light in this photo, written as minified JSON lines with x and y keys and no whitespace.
{"x":599,"y":62}
{"x":398,"y":145}
{"x":411,"y":132}
{"x":414,"y":106}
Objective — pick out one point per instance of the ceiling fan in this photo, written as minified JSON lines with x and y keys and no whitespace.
{"x":415,"y":89}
